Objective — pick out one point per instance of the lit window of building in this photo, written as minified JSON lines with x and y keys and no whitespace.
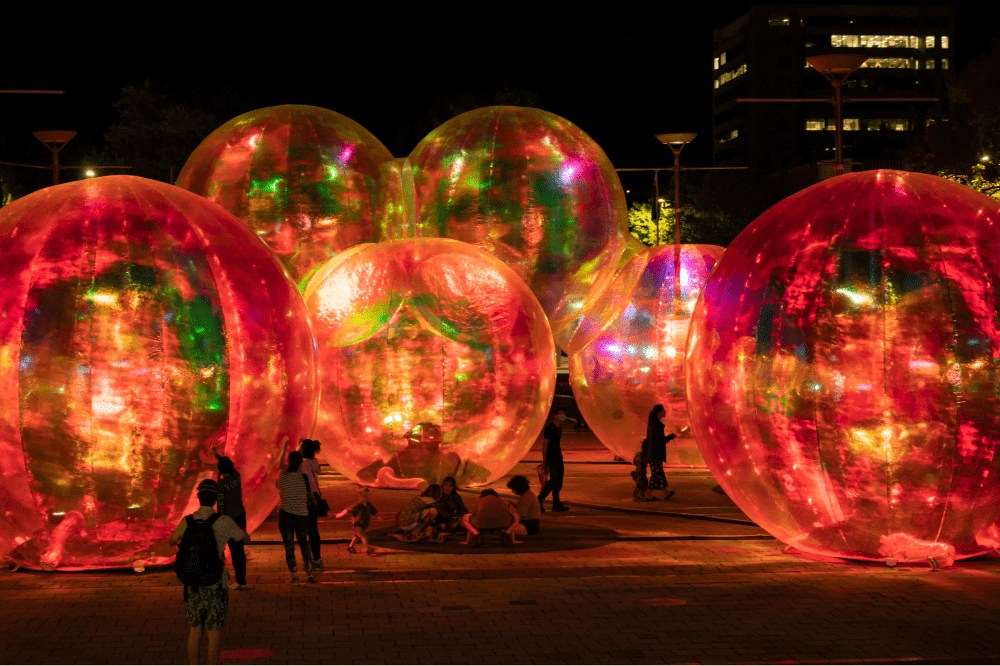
{"x":893,"y":124}
{"x":850,"y":41}
{"x":732,"y":74}
{"x":851,"y":124}
{"x":815,"y":124}
{"x":715,"y":63}
{"x":890,"y":63}
{"x":914,"y":42}
{"x":717,"y":83}
{"x":885,"y":41}
{"x":944,"y":63}
{"x":929,"y":41}
{"x":722,"y":58}
{"x":729,"y":136}
{"x":930,"y":63}
{"x":944,"y":41}
{"x":778,"y":20}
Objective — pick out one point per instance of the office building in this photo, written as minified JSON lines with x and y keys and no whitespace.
{"x":763,"y":55}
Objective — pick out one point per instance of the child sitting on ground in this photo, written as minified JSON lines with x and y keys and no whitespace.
{"x":361,"y":516}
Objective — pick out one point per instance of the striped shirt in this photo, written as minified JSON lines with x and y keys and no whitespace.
{"x":292,"y":489}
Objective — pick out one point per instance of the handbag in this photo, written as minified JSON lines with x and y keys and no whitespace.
{"x":322,"y":507}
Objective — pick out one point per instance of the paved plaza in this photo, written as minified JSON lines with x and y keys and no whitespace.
{"x":690,"y":580}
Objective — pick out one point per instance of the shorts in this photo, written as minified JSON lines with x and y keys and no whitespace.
{"x":531,"y":526}
{"x":209,"y":606}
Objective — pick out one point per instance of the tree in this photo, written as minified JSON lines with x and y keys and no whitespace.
{"x":661,"y":232}
{"x":966,"y":147}
{"x":159,"y":129}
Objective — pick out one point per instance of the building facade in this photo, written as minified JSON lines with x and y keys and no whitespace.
{"x":763,"y":55}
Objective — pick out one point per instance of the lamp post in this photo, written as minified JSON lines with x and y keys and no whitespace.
{"x":56,"y":140}
{"x":676,"y":143}
{"x":836,"y":69}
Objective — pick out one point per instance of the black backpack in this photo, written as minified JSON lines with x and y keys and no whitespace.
{"x":198,"y":563}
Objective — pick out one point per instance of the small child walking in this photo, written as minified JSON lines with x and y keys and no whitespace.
{"x":361,"y":517}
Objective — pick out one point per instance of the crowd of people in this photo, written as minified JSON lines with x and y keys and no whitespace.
{"x":435,"y":514}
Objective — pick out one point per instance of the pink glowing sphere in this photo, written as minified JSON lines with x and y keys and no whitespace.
{"x":638,"y":360}
{"x":841,"y":369}
{"x":144,"y":329}
{"x":308,"y":181}
{"x":435,"y":360}
{"x":533,"y":190}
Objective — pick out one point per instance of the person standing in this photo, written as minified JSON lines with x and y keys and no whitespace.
{"x":231,"y":504}
{"x":206,"y":605}
{"x":293,"y":517}
{"x":656,"y":440}
{"x":552,"y":455}
{"x":310,"y":467}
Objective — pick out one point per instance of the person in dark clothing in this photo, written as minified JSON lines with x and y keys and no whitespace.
{"x":552,"y":455}
{"x":656,"y":441}
{"x":452,"y":505}
{"x":231,"y":504}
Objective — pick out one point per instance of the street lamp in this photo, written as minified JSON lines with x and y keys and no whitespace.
{"x":676,"y":142}
{"x":837,"y":69}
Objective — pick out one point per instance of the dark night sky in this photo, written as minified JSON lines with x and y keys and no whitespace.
{"x":623,"y":73}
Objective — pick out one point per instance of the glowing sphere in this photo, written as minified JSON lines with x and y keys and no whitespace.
{"x":308,"y":181}
{"x":842,"y":368}
{"x":638,"y":360}
{"x":142,"y":330}
{"x":435,"y":360}
{"x":531,"y":189}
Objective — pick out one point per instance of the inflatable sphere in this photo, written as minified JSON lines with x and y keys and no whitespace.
{"x":435,"y":360}
{"x":842,"y":369}
{"x":531,"y":189}
{"x":143,"y":329}
{"x":308,"y":181}
{"x":638,"y":360}
{"x":610,"y":304}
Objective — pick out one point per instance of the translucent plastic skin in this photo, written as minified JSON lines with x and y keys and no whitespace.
{"x":531,"y":189}
{"x":142,"y":330}
{"x":842,"y":368}
{"x":308,"y":181}
{"x":435,"y":360}
{"x":638,"y":361}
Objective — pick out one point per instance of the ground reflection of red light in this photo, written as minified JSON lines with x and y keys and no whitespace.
{"x":844,"y":394}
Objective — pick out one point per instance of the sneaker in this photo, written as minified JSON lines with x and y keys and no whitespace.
{"x":669,"y":495}
{"x":561,"y":507}
{"x":317,"y":565}
{"x":541,"y":506}
{"x":294,"y":580}
{"x":309,"y":578}
{"x":237,"y":586}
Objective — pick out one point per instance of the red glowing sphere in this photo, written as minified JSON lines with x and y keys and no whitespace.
{"x":638,"y":359}
{"x":144,"y":329}
{"x":842,"y":368}
{"x":533,"y":190}
{"x":310,"y":182}
{"x":435,"y":360}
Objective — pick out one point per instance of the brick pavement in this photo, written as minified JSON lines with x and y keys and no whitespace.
{"x":686,"y":590}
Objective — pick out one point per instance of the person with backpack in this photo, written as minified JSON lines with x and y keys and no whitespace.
{"x":203,"y":536}
{"x":231,"y":504}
